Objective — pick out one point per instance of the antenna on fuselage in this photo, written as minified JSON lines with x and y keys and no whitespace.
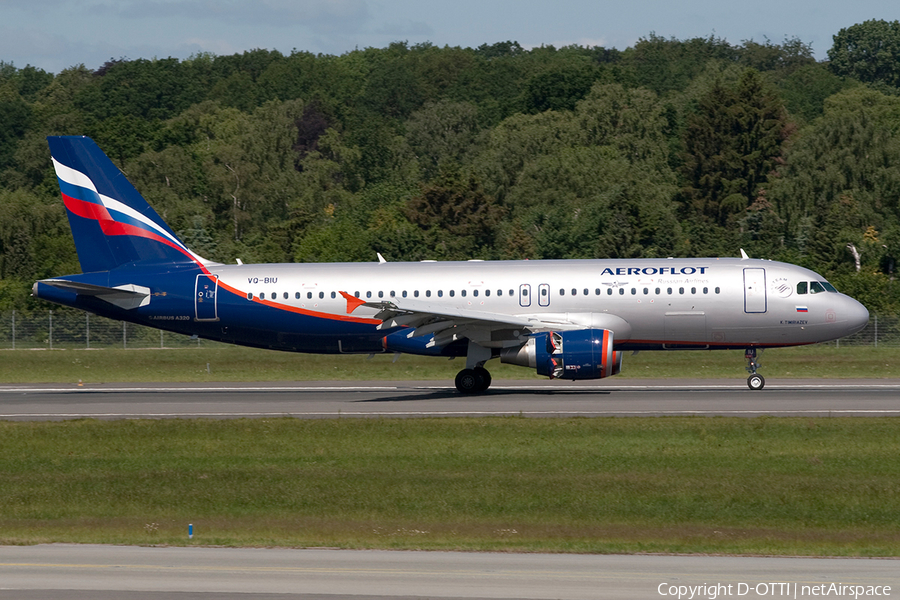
{"x":744,"y":255}
{"x":380,"y":258}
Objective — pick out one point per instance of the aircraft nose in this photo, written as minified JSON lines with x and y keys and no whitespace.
{"x":857,"y":316}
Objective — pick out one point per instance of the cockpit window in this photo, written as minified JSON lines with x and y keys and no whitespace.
{"x":815,"y":287}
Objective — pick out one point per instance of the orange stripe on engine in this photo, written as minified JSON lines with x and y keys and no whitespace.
{"x":605,"y":357}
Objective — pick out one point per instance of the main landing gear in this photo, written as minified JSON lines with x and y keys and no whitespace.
{"x":474,"y":379}
{"x":755,"y":381}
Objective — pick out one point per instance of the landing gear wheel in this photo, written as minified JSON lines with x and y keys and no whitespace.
{"x":756,"y":382}
{"x":485,"y":376}
{"x":473,"y":381}
{"x":468,"y":381}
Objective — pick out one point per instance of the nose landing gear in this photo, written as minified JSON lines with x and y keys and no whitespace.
{"x":755,"y":381}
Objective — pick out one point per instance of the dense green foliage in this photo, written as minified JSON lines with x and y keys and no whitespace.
{"x":669,"y":148}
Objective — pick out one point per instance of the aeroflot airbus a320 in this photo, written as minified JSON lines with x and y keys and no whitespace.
{"x":568,"y":319}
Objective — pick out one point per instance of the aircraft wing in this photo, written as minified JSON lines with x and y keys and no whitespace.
{"x":449,"y":324}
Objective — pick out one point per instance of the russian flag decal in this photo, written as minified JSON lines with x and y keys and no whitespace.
{"x":802,"y":309}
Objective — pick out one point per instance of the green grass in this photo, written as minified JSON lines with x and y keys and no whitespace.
{"x":758,"y":486}
{"x":232,"y":363}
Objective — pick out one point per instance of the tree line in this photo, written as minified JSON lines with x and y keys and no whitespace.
{"x":671,"y":147}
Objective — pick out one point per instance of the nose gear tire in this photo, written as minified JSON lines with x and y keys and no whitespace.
{"x":756,"y":382}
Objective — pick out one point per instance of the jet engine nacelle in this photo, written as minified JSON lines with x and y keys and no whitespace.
{"x":583,"y":354}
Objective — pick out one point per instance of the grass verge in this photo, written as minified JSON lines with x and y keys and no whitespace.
{"x":711,"y":485}
{"x":232,"y":363}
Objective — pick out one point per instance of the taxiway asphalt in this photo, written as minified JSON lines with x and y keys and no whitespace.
{"x":76,"y":572}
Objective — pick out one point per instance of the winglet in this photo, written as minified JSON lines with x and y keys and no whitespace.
{"x":352,"y":302}
{"x":744,"y":255}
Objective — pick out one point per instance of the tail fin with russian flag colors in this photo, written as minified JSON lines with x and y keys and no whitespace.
{"x":111,"y":223}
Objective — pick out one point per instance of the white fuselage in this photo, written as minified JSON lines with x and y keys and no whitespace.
{"x":649,"y":303}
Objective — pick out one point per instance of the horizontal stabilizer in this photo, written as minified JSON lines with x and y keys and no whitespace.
{"x":127,"y":296}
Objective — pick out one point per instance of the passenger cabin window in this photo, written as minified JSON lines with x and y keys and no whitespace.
{"x":321,"y":295}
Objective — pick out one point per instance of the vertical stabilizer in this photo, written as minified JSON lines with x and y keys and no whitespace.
{"x":111,"y":223}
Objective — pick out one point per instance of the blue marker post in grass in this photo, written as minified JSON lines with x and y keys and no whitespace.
{"x":190,"y":531}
